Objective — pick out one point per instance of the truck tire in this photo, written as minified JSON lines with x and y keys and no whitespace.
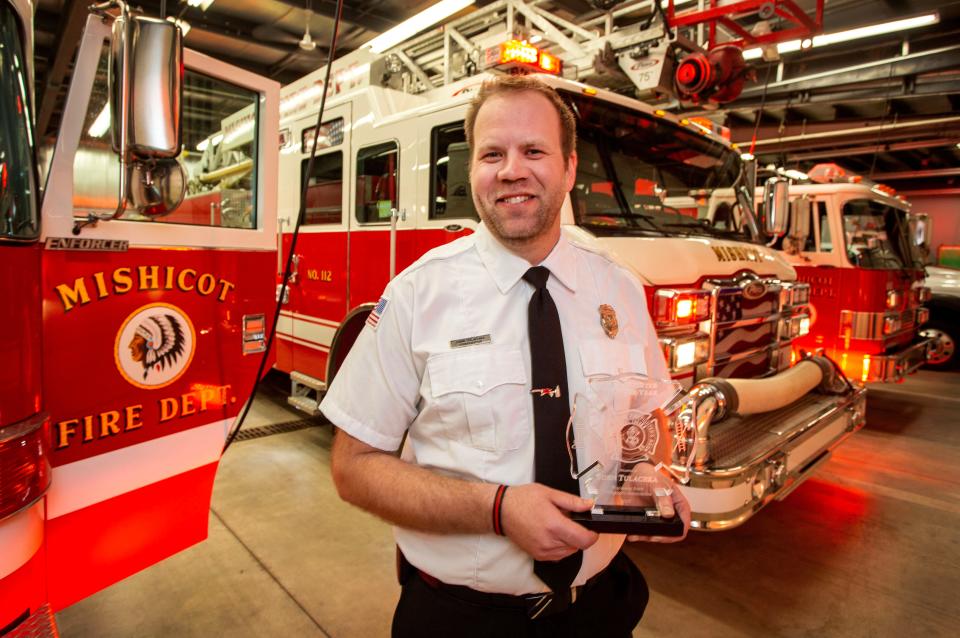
{"x":343,"y":340}
{"x":949,"y":335}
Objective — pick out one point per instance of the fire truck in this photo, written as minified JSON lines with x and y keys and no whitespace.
{"x":390,"y":181}
{"x":850,"y":240}
{"x":133,"y":339}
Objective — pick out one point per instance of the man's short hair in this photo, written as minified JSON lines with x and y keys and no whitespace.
{"x":505,"y":84}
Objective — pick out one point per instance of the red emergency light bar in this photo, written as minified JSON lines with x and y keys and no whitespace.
{"x":520,"y":54}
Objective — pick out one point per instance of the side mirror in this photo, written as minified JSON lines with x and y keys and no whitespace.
{"x":146,"y":93}
{"x":146,"y":86}
{"x":776,"y":205}
{"x":800,"y":220}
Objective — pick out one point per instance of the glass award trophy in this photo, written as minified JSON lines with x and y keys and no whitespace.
{"x":625,"y":455}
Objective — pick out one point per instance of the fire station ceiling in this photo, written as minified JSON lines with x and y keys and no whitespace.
{"x":886,"y":105}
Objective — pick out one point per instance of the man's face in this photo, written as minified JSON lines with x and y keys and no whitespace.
{"x":517,"y":170}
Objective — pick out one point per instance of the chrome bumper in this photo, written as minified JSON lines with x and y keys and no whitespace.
{"x":759,"y":458}
{"x":894,"y":367}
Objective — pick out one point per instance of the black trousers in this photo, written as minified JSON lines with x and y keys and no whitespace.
{"x":610,"y":608}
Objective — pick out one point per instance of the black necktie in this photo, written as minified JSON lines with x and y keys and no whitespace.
{"x":551,"y":411}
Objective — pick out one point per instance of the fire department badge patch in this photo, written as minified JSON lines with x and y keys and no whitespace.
{"x":154,"y":346}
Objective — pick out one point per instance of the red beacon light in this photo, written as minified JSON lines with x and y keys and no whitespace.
{"x":674,"y":308}
{"x":519,"y":54}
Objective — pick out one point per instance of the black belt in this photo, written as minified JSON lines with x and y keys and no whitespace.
{"x":535,"y":605}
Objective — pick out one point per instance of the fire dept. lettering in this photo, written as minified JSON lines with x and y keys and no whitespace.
{"x":101,"y":285}
{"x":110,"y":423}
{"x":737,"y":253}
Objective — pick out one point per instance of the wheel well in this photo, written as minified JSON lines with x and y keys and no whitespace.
{"x":944,"y":307}
{"x":346,"y":335}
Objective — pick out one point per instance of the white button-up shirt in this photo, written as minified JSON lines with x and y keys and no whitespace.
{"x":448,"y":363}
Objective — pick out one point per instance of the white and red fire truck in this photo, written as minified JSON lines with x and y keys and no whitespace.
{"x":850,"y":240}
{"x":131,"y":344}
{"x":390,"y":182}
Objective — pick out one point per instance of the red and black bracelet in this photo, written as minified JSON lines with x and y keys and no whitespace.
{"x":497,"y":502}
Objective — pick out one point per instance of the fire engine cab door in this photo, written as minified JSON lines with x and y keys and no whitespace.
{"x":450,"y":213}
{"x":153,"y":327}
{"x":317,"y":291}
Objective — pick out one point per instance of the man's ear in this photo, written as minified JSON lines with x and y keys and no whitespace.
{"x":571,"y":171}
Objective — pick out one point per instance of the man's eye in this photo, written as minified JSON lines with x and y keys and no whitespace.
{"x":490,"y":155}
{"x":534,"y":151}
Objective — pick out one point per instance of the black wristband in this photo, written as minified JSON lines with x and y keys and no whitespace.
{"x":497,"y":502}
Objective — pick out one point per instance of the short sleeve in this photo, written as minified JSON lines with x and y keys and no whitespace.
{"x":374,"y":394}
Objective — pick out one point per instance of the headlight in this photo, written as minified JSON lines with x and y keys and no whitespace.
{"x":893,"y":299}
{"x":684,"y":353}
{"x":673,"y":307}
{"x":794,"y":293}
{"x":891,"y":323}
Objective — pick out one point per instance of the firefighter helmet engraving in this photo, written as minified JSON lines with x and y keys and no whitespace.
{"x":154,"y":346}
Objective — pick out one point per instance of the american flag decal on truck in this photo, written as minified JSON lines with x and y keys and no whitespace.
{"x":376,"y":313}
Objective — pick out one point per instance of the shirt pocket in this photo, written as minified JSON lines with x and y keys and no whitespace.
{"x":609,"y":358}
{"x":481,"y":396}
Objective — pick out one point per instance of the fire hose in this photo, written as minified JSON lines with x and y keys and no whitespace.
{"x":713,"y":399}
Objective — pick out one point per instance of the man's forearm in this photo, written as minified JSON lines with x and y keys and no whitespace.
{"x":407,"y":495}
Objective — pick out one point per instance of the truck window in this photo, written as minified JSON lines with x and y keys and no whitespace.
{"x":874,"y":234}
{"x":325,"y":190}
{"x":638,"y":175}
{"x":377,"y":182}
{"x":450,"y":196}
{"x":18,"y":179}
{"x":219,"y":156}
{"x":826,"y":245}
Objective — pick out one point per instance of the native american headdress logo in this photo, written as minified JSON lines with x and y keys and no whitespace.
{"x":154,"y":345}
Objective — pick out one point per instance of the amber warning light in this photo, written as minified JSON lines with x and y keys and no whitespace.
{"x":518,"y":54}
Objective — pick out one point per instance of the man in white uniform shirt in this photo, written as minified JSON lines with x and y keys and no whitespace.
{"x":446,"y":360}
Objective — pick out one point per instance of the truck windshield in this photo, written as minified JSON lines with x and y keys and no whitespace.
{"x":877,"y":235}
{"x":18,"y":184}
{"x":637,"y":174}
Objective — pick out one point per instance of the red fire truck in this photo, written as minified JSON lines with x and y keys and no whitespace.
{"x":850,"y":241}
{"x":390,"y":181}
{"x":132,"y":339}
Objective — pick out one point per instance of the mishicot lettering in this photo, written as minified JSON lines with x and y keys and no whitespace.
{"x":101,"y":285}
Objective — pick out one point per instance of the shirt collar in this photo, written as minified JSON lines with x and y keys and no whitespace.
{"x":507,"y":269}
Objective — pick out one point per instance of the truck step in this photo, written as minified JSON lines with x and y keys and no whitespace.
{"x":305,"y":404}
{"x":311,"y":382}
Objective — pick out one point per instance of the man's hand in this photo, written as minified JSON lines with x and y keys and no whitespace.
{"x":534,"y":518}
{"x":669,"y":500}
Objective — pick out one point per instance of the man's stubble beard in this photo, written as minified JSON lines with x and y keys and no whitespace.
{"x":543,"y":221}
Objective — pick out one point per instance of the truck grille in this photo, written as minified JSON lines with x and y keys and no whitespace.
{"x":746,"y":334}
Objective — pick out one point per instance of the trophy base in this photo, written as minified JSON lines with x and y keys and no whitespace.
{"x":629,"y":520}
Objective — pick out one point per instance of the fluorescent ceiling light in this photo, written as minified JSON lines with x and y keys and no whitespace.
{"x":203,"y":4}
{"x":826,"y":39}
{"x":102,"y":124}
{"x":414,"y":25}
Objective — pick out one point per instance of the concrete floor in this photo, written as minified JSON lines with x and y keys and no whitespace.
{"x":869,"y":546}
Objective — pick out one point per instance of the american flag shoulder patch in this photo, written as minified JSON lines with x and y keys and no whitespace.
{"x":374,"y":318}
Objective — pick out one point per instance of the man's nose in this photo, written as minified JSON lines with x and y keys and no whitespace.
{"x":514,"y":166}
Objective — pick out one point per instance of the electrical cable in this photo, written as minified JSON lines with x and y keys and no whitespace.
{"x":294,"y":235}
{"x":763,"y":101}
